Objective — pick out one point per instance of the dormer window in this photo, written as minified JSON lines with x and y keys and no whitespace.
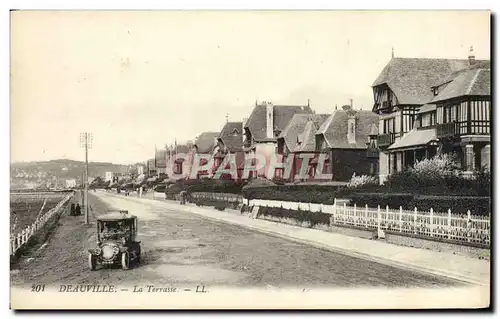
{"x":235,"y":132}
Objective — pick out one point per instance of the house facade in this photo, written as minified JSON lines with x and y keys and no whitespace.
{"x":430,"y":106}
{"x":347,"y":139}
{"x":203,"y":145}
{"x":179,"y":167}
{"x":264,"y":126}
{"x":298,"y":140}
{"x":229,"y":142}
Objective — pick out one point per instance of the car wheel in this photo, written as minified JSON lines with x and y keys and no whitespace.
{"x":125,"y":260}
{"x":92,"y":262}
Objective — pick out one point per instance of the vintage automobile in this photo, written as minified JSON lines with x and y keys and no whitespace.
{"x":116,"y":241}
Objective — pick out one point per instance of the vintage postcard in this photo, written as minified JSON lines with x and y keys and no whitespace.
{"x":250,"y":160}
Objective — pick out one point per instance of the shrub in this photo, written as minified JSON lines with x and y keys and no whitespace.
{"x":438,"y":167}
{"x":160,"y":188}
{"x":217,"y":204}
{"x":363,"y":180}
{"x":301,"y":216}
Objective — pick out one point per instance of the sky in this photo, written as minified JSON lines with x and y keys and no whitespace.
{"x":137,"y":80}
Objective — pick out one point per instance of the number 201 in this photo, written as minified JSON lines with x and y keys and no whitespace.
{"x":37,"y":288}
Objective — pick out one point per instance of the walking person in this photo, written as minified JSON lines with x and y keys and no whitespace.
{"x":78,"y":210}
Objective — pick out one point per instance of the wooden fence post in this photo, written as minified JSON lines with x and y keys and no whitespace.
{"x":449,"y":223}
{"x":366,"y":215}
{"x":469,"y":225}
{"x":334,"y":210}
{"x":415,"y":221}
{"x":387,"y":216}
{"x":354,"y":215}
{"x":400,"y":219}
{"x":431,"y":226}
{"x":344,"y":213}
{"x":378,"y":217}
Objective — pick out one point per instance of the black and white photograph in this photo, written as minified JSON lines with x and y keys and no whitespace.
{"x":258,"y":159}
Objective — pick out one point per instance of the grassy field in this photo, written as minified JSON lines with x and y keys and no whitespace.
{"x":24,"y":208}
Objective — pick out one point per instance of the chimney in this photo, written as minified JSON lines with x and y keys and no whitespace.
{"x":269,"y":120}
{"x":351,"y":123}
{"x":472,"y":58}
{"x":243,"y":129}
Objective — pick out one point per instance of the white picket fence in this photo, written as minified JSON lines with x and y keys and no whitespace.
{"x":22,"y":237}
{"x":465,"y":228}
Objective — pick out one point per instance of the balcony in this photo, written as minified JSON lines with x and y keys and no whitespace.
{"x":384,"y":140}
{"x":447,"y":130}
{"x":452,"y":129}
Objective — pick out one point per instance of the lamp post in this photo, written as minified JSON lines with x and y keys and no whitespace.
{"x":86,"y":142}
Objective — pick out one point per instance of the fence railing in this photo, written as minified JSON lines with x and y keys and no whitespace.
{"x":218,"y":196}
{"x":465,"y":228}
{"x":21,"y":238}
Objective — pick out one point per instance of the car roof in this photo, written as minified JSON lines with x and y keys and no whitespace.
{"x":116,"y":216}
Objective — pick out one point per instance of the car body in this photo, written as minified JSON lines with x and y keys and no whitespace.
{"x":116,"y":241}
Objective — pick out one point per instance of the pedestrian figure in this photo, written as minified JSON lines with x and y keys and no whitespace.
{"x":183,"y":197}
{"x":72,"y":210}
{"x":78,"y":210}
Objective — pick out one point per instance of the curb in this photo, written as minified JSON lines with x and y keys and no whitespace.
{"x":385,"y":261}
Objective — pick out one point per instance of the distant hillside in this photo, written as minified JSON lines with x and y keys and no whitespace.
{"x":25,"y":172}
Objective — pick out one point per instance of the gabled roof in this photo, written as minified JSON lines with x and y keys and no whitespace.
{"x":232,"y":136}
{"x":230,"y":127}
{"x":411,"y":79}
{"x":470,"y":82}
{"x":297,"y":125}
{"x":335,"y":129}
{"x":282,"y":114}
{"x":307,"y":141}
{"x":206,"y":141}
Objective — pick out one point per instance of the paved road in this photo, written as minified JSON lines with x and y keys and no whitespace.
{"x":182,"y":248}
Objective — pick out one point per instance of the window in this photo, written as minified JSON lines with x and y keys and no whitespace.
{"x":450,"y":114}
{"x":389,"y":126}
{"x":278,"y":173}
{"x":352,"y":128}
{"x":427,"y":119}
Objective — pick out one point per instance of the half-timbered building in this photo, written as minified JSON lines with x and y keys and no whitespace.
{"x":427,"y":106}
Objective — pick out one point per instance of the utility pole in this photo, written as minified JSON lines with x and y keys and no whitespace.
{"x":86,"y":142}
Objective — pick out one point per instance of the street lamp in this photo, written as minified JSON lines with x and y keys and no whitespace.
{"x":86,"y":142}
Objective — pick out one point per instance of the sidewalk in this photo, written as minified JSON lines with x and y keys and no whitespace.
{"x":474,"y":271}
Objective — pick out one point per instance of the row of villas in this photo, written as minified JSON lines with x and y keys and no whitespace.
{"x":421,"y":107}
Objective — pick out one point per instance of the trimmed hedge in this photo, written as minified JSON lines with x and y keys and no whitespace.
{"x":383,"y":199}
{"x":319,"y":194}
{"x":314,"y":218}
{"x":408,"y":181}
{"x":457,"y":204}
{"x":216,"y":186}
{"x":217,"y":204}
